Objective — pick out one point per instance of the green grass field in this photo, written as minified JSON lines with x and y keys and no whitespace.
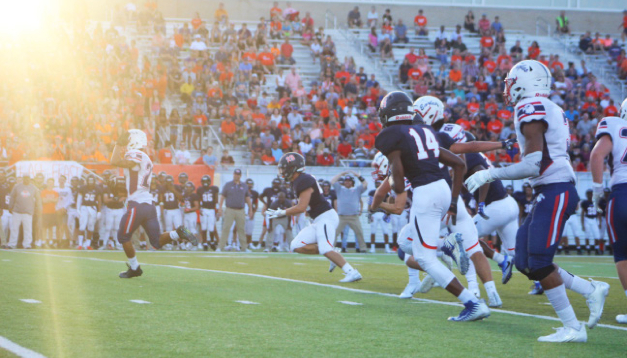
{"x":85,"y":310}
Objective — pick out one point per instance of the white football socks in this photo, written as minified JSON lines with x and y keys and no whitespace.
{"x":414,"y":275}
{"x":490,"y":288}
{"x":347,"y":268}
{"x":559,"y":300}
{"x":498,"y":257}
{"x":134,"y":263}
{"x":576,"y":283}
{"x":80,"y":240}
{"x":466,"y":296}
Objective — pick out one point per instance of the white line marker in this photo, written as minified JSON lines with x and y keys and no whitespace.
{"x":299,"y":264}
{"x":6,"y":260}
{"x":344,"y":288}
{"x":545,"y":303}
{"x":67,"y":260}
{"x":247,"y":302}
{"x":141,"y":302}
{"x":241,"y":263}
{"x":351,"y":303}
{"x":183,"y":262}
{"x":29,"y":300}
{"x":18,"y":350}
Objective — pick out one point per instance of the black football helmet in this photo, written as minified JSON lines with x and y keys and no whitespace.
{"x":183,"y":178}
{"x":91,"y":180}
{"x":395,"y":107}
{"x":169,"y":179}
{"x":289,"y":164}
{"x":120,"y":181}
{"x":206,"y":180}
{"x":276,"y":183}
{"x":470,"y":137}
{"x":11,"y":181}
{"x":190,"y":186}
{"x":250,"y":181}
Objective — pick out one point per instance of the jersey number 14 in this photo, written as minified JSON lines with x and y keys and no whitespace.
{"x":431,"y":143}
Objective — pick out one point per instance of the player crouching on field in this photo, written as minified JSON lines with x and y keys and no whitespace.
{"x":315,"y":238}
{"x":128,"y":154}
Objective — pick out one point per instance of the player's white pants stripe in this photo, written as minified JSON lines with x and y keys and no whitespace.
{"x":129,"y":221}
{"x":609,"y":219}
{"x":558,"y":212}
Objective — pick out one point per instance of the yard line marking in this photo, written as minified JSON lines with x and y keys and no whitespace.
{"x":247,"y":302}
{"x":67,"y":260}
{"x":299,"y":263}
{"x":141,"y":302}
{"x":183,"y":262}
{"x":6,"y":260}
{"x":29,"y":300}
{"x":357,"y":290}
{"x":351,"y":303}
{"x":241,"y":263}
{"x":18,"y":350}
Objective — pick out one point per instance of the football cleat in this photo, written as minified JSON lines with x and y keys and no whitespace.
{"x":473,"y":311}
{"x":595,"y":302}
{"x":621,"y":318}
{"x":332,"y":266}
{"x":427,"y":284}
{"x":506,"y":267}
{"x":411,"y":288}
{"x":185,"y":234}
{"x":566,"y":334}
{"x":447,"y":261}
{"x":373,"y":250}
{"x":536,"y":289}
{"x":453,"y":248}
{"x":130,"y":273}
{"x":494,"y":300}
{"x":352,"y":276}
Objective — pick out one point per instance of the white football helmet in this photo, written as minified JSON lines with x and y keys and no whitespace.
{"x":136,"y":139}
{"x":430,"y":109}
{"x":380,"y":164}
{"x":623,"y":110}
{"x":528,"y":78}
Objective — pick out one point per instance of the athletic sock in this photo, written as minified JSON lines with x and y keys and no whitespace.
{"x":87,"y":243}
{"x":371,"y":246}
{"x":576,"y":283}
{"x":347,"y":268}
{"x":466,"y":296}
{"x":490,"y":288}
{"x":80,"y":240}
{"x":174,"y":235}
{"x":414,"y":275}
{"x":134,"y":263}
{"x":559,"y":300}
{"x":498,"y":257}
{"x":387,"y":246}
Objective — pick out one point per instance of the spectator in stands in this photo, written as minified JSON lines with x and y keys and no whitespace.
{"x":373,"y":40}
{"x":226,"y":159}
{"x":277,"y":153}
{"x":496,"y":26}
{"x":165,"y":153}
{"x":228,"y":129}
{"x":386,"y":49}
{"x":562,"y":24}
{"x":457,"y":34}
{"x":372,"y":17}
{"x":361,"y":153}
{"x":400,"y":32}
{"x":469,"y":22}
{"x":286,"y":53}
{"x":209,"y":159}
{"x":441,"y":35}
{"x":325,"y":158}
{"x":221,"y":15}
{"x":484,"y":26}
{"x":585,"y":125}
{"x":292,"y":79}
{"x":387,"y":16}
{"x":182,"y":156}
{"x":354,"y":18}
{"x":420,"y":24}
{"x":516,"y":52}
{"x":533,"y":52}
{"x":266,"y":158}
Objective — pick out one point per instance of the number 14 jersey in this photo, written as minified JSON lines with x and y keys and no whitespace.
{"x":138,"y":178}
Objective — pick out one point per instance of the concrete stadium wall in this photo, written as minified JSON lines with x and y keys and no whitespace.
{"x":450,"y":15}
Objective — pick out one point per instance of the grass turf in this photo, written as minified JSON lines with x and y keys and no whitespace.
{"x":85,"y":310}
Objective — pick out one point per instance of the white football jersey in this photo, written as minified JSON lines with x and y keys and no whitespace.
{"x":65,"y":197}
{"x":555,"y":166}
{"x":138,"y":178}
{"x":454,"y":131}
{"x":616,"y":128}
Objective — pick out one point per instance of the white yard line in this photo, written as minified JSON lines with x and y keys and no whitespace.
{"x":18,"y":350}
{"x":514,"y":313}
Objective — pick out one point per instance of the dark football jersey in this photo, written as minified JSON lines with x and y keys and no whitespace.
{"x":588,"y":208}
{"x":189,"y":199}
{"x":5,"y":196}
{"x":156,"y":200}
{"x":90,"y":196}
{"x":497,"y":190}
{"x":601,"y":206}
{"x":208,"y":196}
{"x":75,"y":192}
{"x":169,"y":200}
{"x":330,"y":198}
{"x":445,"y":142}
{"x":115,"y":196}
{"x":270,"y":194}
{"x":254,"y":197}
{"x":419,"y":151}
{"x":526,"y":205}
{"x":317,"y":203}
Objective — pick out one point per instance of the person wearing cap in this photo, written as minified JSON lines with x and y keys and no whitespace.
{"x":235,"y":195}
{"x":349,"y":204}
{"x":24,"y":203}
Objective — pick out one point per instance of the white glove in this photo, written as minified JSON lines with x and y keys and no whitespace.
{"x":477,"y":180}
{"x":98,"y":215}
{"x":597,"y":192}
{"x":272,"y":214}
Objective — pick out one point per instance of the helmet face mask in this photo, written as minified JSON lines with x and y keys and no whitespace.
{"x":206,"y":180}
{"x":380,"y":164}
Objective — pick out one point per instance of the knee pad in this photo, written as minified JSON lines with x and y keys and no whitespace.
{"x":401,"y":254}
{"x":541,"y":273}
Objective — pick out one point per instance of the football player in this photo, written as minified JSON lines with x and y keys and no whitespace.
{"x":571,"y":233}
{"x":378,"y":218}
{"x":280,"y":229}
{"x":129,"y":154}
{"x":250,"y":222}
{"x":88,"y":206}
{"x":6,"y":186}
{"x":414,"y":153}
{"x":190,"y":207}
{"x":590,"y":222}
{"x":114,"y":201}
{"x":171,"y":211}
{"x":72,"y":212}
{"x":105,"y":188}
{"x":601,"y":207}
{"x":208,"y":195}
{"x":65,"y":200}
{"x":543,"y":135}
{"x":268,"y":195}
{"x":317,"y":237}
{"x":612,"y":141}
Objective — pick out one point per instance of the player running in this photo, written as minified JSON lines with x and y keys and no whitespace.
{"x":128,"y":154}
{"x":543,"y":135}
{"x":414,"y":152}
{"x":612,"y":141}
{"x":317,"y":237}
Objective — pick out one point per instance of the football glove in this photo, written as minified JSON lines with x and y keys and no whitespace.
{"x":481,"y":211}
{"x":597,"y":192}
{"x":509,"y":144}
{"x":477,"y":180}
{"x":273,"y":214}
